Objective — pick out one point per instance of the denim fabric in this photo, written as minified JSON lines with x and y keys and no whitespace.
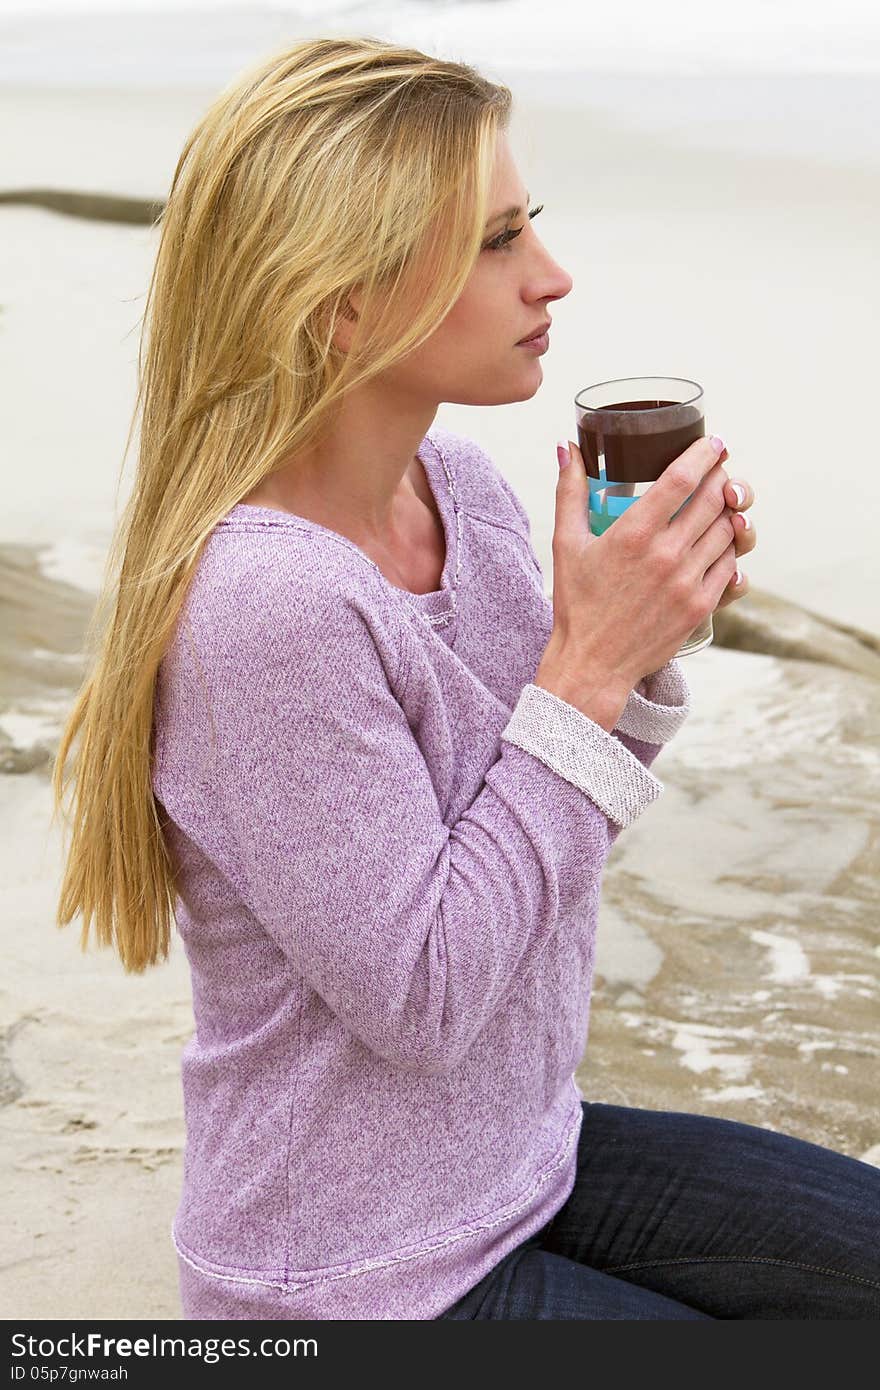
{"x":680,"y":1216}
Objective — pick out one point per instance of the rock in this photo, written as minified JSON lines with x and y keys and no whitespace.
{"x":95,"y":207}
{"x":761,"y":622}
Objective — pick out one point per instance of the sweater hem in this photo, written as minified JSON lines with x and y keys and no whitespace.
{"x":292,"y":1282}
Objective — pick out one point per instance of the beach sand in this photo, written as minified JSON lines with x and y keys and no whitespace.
{"x":738,"y":956}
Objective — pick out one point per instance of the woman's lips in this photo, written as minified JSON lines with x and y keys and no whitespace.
{"x":539,"y":344}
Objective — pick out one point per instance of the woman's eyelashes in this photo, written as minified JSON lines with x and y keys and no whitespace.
{"x":502,"y":242}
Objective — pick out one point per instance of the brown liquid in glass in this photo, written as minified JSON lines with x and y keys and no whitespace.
{"x":636,"y":458}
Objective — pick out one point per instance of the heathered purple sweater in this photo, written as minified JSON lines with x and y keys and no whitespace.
{"x":390,"y":846}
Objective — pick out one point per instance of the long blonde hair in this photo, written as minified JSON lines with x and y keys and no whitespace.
{"x":333,"y":164}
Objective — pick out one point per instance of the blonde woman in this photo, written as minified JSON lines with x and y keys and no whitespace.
{"x":334,"y":727}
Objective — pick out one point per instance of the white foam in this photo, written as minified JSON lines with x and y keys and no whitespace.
{"x":788,"y":960}
{"x":75,"y":562}
{"x":37,"y":723}
{"x":735,"y":1093}
{"x":697,"y":1042}
{"x":44,"y":654}
{"x":827,"y":985}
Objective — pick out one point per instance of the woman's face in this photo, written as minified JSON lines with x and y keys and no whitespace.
{"x":472,"y":358}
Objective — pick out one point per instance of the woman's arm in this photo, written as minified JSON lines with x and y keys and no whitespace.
{"x":411,"y":929}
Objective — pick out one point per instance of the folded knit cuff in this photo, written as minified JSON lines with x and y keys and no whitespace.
{"x":658,"y":714}
{"x":581,"y":751}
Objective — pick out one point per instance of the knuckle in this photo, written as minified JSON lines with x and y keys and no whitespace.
{"x":633,"y":539}
{"x":697,"y":608}
{"x":679,"y":476}
{"x":668,"y":560}
{"x":682,"y":589}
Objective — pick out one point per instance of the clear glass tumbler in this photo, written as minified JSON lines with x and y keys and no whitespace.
{"x":629,"y":431}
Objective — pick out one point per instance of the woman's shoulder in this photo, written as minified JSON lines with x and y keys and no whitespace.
{"x":289,"y":599}
{"x":258,"y":558}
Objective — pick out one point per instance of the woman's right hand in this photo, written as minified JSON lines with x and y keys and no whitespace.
{"x":624,"y":602}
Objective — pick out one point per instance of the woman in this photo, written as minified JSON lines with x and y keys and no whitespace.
{"x":335,"y":725}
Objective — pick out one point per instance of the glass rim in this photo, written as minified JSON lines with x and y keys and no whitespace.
{"x":648,"y":410}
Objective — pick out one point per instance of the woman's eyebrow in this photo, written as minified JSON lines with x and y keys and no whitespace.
{"x":507,"y":214}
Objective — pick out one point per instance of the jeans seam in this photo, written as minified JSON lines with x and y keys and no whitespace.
{"x":742,"y":1259}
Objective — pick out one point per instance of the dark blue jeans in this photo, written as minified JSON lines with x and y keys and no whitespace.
{"x":679,"y":1216}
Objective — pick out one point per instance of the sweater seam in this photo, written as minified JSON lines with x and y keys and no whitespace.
{"x":287,"y":1166}
{"x":511,"y":530}
{"x":474,"y":515}
{"x":404,"y":658}
{"x":291,"y":1282}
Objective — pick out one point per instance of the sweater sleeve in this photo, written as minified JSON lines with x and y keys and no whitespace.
{"x":411,"y":929}
{"x":654,"y":712}
{"x":658,"y":706}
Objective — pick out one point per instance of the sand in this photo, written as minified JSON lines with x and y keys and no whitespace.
{"x":738,"y":957}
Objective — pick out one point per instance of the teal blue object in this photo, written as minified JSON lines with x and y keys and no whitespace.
{"x":605,"y":510}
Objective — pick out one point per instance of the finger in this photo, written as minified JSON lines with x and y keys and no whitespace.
{"x":738,"y":494}
{"x":676,"y":485}
{"x":744,"y":536}
{"x":572,"y":498}
{"x":734,"y":590}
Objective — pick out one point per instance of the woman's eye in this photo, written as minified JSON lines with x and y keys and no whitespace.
{"x":502,"y":242}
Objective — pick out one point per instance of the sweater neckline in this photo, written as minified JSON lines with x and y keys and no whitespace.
{"x":438,"y":605}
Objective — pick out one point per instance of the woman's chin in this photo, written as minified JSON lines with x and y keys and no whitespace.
{"x":537,"y":381}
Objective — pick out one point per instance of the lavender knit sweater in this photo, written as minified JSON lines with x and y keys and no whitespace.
{"x":390,"y":848}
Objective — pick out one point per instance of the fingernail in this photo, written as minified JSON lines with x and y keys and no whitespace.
{"x":717,"y":444}
{"x":739,"y":578}
{"x":740,"y":493}
{"x":562,"y":454}
{"x":747,"y":525}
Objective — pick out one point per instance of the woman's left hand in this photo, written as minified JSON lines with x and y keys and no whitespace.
{"x":738,"y":504}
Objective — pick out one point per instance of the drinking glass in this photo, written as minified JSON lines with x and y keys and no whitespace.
{"x":629,"y":431}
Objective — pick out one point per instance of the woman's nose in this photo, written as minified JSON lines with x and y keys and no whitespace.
{"x":559,"y":282}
